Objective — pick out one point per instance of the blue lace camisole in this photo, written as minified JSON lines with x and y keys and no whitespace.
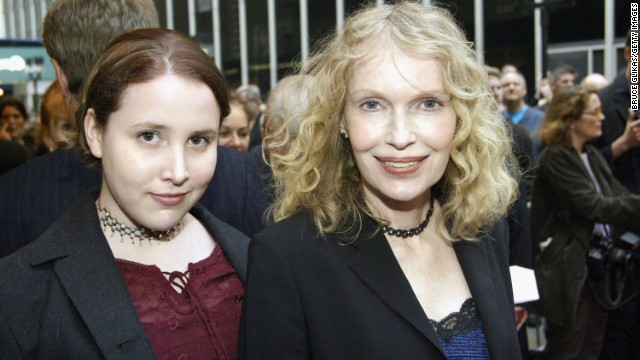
{"x":461,"y":334}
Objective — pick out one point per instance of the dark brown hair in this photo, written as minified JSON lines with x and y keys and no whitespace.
{"x":137,"y":57}
{"x":567,"y":105}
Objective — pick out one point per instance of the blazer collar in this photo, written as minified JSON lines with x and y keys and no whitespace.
{"x":478,"y":264}
{"x":378,"y":268}
{"x":86,"y":269}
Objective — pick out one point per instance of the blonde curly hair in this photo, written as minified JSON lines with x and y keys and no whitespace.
{"x":319,"y":173}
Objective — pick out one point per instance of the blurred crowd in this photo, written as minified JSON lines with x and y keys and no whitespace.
{"x":574,"y":219}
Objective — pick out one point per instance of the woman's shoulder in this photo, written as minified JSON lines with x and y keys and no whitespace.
{"x":298,"y":225}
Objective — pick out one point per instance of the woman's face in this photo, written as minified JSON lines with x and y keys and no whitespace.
{"x":589,"y":126}
{"x":400,"y":123}
{"x":14,"y":120}
{"x":234,"y":131}
{"x":158,"y":151}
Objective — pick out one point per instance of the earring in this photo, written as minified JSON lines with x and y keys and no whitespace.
{"x":344,"y":135}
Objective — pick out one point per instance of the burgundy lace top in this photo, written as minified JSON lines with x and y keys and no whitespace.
{"x":201,"y":321}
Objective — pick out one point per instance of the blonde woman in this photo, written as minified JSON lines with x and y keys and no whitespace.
{"x":389,"y":242}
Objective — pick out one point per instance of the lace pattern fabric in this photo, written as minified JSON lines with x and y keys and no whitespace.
{"x":199,"y":319}
{"x":461,"y":333}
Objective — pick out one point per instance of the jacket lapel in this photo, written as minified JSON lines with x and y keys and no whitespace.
{"x":481,"y":275}
{"x":378,"y":268}
{"x":91,"y":279}
{"x":235,"y":244}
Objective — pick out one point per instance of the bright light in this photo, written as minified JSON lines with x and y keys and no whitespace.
{"x":14,"y":63}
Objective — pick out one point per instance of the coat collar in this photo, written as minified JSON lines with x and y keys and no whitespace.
{"x":378,"y":268}
{"x":86,"y":268}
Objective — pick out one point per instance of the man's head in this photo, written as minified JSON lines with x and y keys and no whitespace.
{"x":562,"y":76}
{"x":514,"y":89}
{"x":494,"y":83}
{"x":76,"y":31}
{"x":249,"y":96}
{"x":594,"y":81}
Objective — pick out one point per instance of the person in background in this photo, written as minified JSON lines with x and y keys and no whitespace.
{"x":13,"y":117}
{"x":594,"y":82}
{"x":561,"y":77}
{"x":389,"y":204}
{"x":251,"y":98}
{"x":620,"y":146}
{"x":35,"y":194}
{"x":576,"y":202}
{"x":507,"y":68}
{"x":234,"y":131}
{"x":543,"y":93}
{"x":286,"y":106}
{"x":520,"y":247}
{"x":136,"y":269}
{"x":55,"y":126}
{"x":514,"y":92}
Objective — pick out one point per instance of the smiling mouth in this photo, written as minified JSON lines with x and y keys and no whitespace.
{"x":401,"y":167}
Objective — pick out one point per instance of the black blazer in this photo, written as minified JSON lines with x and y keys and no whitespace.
{"x":616,"y":99}
{"x":310,"y":298}
{"x":62,"y":296}
{"x":37,"y":193}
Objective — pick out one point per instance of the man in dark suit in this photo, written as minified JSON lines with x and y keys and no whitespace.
{"x":37,"y":193}
{"x":620,"y":145}
{"x":12,"y":155}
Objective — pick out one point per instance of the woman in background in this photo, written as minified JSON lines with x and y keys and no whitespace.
{"x":13,"y":118}
{"x":137,"y":269}
{"x":234,"y":131}
{"x":390,"y":242}
{"x":54,"y":124}
{"x":575,"y":199}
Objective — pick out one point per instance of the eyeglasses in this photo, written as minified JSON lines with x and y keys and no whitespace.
{"x":595,"y":112}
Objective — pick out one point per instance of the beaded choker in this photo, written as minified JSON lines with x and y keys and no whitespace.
{"x":141,"y":233}
{"x":413,"y":231}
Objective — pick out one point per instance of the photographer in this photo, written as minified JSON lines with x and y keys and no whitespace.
{"x":579,"y":212}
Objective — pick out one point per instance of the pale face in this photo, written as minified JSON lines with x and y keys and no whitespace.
{"x":565,"y":81}
{"x":400,"y":123}
{"x":513,"y":87}
{"x":234,"y":130}
{"x":589,"y":126}
{"x":58,"y":129}
{"x":158,"y":151}
{"x":496,"y":88}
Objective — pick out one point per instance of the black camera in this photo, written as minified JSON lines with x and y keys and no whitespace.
{"x":607,"y":253}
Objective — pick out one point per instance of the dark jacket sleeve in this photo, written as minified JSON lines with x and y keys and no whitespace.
{"x":272,"y":324}
{"x":563,"y":169}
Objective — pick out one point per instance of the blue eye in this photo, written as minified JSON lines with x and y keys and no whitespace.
{"x":370,"y":105}
{"x":431,"y":104}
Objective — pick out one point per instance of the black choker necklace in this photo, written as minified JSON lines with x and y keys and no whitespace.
{"x":411,"y":232}
{"x":141,"y":233}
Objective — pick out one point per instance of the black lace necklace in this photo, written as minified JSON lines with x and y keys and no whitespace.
{"x":413,"y":231}
{"x":143,"y":234}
